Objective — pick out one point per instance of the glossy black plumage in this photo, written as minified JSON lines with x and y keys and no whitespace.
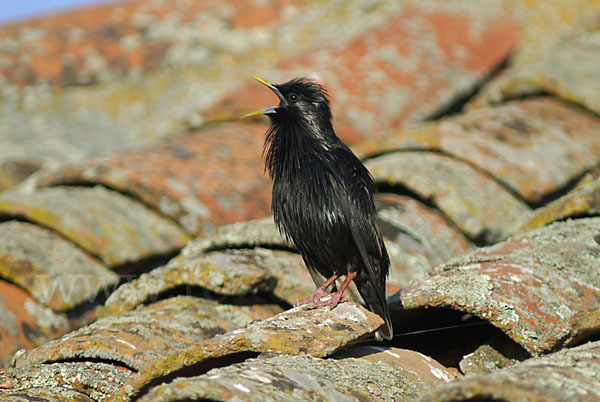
{"x":323,"y":195}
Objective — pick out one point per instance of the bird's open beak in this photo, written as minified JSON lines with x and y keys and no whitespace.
{"x":268,"y":109}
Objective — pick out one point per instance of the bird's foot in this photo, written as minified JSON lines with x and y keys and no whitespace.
{"x":317,"y":295}
{"x":331,"y":300}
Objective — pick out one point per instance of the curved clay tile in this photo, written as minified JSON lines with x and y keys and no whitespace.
{"x":536,"y":146}
{"x":412,"y":363}
{"x":52,"y":270}
{"x":207,"y":179}
{"x":300,"y":378}
{"x":417,"y":238}
{"x":411,"y":80}
{"x":79,"y":381}
{"x":159,"y":63}
{"x":115,"y":228}
{"x":582,"y":201}
{"x":100,"y":42}
{"x":220,"y":274}
{"x":568,"y":375}
{"x":293,"y":332}
{"x":526,"y":286}
{"x":111,"y":350}
{"x":44,"y":394}
{"x":477,"y":204}
{"x":24,"y":323}
{"x":569,"y":70}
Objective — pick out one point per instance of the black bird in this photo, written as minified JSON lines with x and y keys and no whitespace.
{"x":323,"y":198}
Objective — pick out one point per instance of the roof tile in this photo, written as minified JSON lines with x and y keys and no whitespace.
{"x":424,"y":369}
{"x":525,"y":286}
{"x":582,"y":201}
{"x":135,"y":340}
{"x":219,"y":274}
{"x":295,"y":378}
{"x":24,"y":323}
{"x":107,"y":224}
{"x":43,"y":394}
{"x":97,"y":380}
{"x":54,"y":271}
{"x":534,"y":146}
{"x":204,"y":180}
{"x":296,"y":331}
{"x":417,"y":238}
{"x":443,"y":54}
{"x":569,"y":70}
{"x":478,"y":205}
{"x":568,"y":375}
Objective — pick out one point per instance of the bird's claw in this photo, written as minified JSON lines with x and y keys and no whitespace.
{"x":317,"y":295}
{"x":332,"y":300}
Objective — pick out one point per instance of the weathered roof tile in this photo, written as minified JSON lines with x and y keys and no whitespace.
{"x":477,"y":204}
{"x":300,"y":378}
{"x":204,"y":180}
{"x":97,"y":380}
{"x":443,"y":54}
{"x":422,"y":368}
{"x":569,"y":70}
{"x":54,"y":271}
{"x":24,"y":323}
{"x":43,"y":394}
{"x":534,"y":146}
{"x":568,"y":375}
{"x":174,"y":60}
{"x":582,"y":201}
{"x":526,"y":286}
{"x":107,"y":224}
{"x":296,"y":331}
{"x":417,"y":238}
{"x":136,"y":340}
{"x":223,"y":273}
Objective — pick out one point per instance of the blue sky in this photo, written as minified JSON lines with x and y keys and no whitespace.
{"x":23,"y":9}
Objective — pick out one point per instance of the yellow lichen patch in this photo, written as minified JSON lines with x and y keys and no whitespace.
{"x":584,"y":200}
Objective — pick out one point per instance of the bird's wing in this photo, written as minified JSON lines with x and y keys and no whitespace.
{"x":357,"y":204}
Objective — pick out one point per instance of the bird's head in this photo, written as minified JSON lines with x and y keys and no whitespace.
{"x":300,"y":100}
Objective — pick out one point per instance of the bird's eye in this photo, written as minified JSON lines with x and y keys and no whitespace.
{"x":293,"y":98}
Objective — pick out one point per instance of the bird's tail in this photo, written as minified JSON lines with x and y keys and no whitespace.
{"x":377,"y":304}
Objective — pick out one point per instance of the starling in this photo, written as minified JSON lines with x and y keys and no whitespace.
{"x":323,"y":198}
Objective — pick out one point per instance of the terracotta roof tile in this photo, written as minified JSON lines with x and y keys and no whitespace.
{"x":535,"y":147}
{"x":219,"y":274}
{"x":545,"y":22}
{"x":582,"y":201}
{"x":54,"y":271}
{"x":425,"y":369}
{"x":99,"y":42}
{"x":458,"y":180}
{"x":24,"y":323}
{"x":43,"y":394}
{"x":417,"y":239}
{"x":187,"y":56}
{"x":443,"y":54}
{"x":295,"y":378}
{"x":203,"y":180}
{"x":74,"y":380}
{"x":568,"y":375}
{"x":137,"y":340}
{"x":296,"y":331}
{"x":475,"y":202}
{"x":106,"y":224}
{"x":569,"y":70}
{"x":526,"y":286}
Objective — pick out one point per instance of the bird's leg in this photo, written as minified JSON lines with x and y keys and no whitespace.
{"x":336,"y":297}
{"x":320,"y":292}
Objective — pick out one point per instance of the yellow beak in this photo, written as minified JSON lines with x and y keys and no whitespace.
{"x":268,"y":109}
